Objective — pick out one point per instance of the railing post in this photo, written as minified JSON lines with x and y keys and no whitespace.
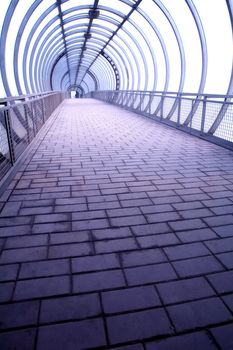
{"x":179,"y":109}
{"x":9,"y":137}
{"x":203,"y":115}
{"x":161,"y":108}
{"x":27,"y":124}
{"x":191,"y":120}
{"x":43,"y":110}
{"x":150,"y":100}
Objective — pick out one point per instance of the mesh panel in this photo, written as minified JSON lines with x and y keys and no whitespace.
{"x":145,"y":101}
{"x":185,"y":109}
{"x":212,"y":111}
{"x":225,"y":128}
{"x":154,"y":103}
{"x":195,"y":122}
{"x":19,"y":124}
{"x":4,"y":148}
{"x":170,"y":106}
{"x":18,"y":129}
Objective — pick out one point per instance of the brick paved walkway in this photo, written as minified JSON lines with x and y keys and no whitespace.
{"x":118,"y":231}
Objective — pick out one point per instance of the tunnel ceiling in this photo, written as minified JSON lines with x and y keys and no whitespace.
{"x":87,"y":45}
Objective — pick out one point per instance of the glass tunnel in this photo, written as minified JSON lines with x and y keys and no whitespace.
{"x":87,"y":45}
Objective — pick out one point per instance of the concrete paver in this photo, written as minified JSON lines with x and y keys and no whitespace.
{"x":117,"y":233}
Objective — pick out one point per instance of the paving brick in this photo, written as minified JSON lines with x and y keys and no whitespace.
{"x":104,"y":205}
{"x":130,"y":299}
{"x":224,"y":231}
{"x":69,"y":237}
{"x":196,"y":235}
{"x":150,"y":229}
{"x":37,"y":203}
{"x":216,"y":202}
{"x":188,"y":205}
{"x":6,"y":291}
{"x":36,"y":210}
{"x":70,"y":308}
{"x":130,"y":196}
{"x":228,"y":300}
{"x":157,"y":240}
{"x":26,"y":241}
{"x":44,"y":268}
{"x":222,"y":281}
{"x":70,"y":201}
{"x":128,"y":220}
{"x":8,"y":272}
{"x":183,"y":251}
{"x":143,"y":257}
{"x":197,"y":266}
{"x":98,"y":281}
{"x":167,"y":200}
{"x":162,"y":217}
{"x":227,"y":209}
{"x":18,"y":340}
{"x":50,"y":218}
{"x":153,"y":209}
{"x":74,"y":335}
{"x":68,"y":250}
{"x":95,"y":263}
{"x":150,"y":274}
{"x":219,"y":220}
{"x":220,"y":245}
{"x":223,"y":336}
{"x":199,"y":314}
{"x":90,"y":224}
{"x":23,"y":254}
{"x":184,"y":290}
{"x":89,"y":215}
{"x":195,"y":197}
{"x":221,"y":194}
{"x":112,"y":233}
{"x":137,"y":326}
{"x":158,"y":194}
{"x":123,"y":212}
{"x":14,"y":221}
{"x":19,"y":314}
{"x":195,"y":213}
{"x":136,"y":202}
{"x":51,"y":227}
{"x":70,"y":208}
{"x":226,"y":259}
{"x":115,"y":245}
{"x":15,"y":231}
{"x":193,"y":341}
{"x":187,"y":224}
{"x":11,"y":209}
{"x":42,"y":287}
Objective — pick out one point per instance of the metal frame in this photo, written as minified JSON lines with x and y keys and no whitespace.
{"x":20,"y":119}
{"x":42,"y":59}
{"x":201,"y":122}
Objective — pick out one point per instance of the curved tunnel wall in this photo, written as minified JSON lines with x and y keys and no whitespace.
{"x":89,"y":45}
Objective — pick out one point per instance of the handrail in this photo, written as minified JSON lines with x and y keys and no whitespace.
{"x":20,"y":122}
{"x":6,"y":100}
{"x":209,"y":116}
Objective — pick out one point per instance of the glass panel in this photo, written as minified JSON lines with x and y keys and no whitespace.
{"x":168,"y":35}
{"x":72,"y":3}
{"x":116,"y":5}
{"x":219,"y":44}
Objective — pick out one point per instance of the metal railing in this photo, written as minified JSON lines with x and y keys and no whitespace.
{"x":21,"y":118}
{"x":205,"y":115}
